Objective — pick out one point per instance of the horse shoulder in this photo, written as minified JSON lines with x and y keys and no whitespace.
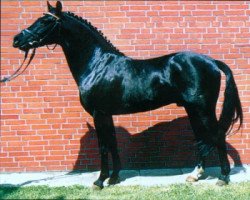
{"x":101,"y":84}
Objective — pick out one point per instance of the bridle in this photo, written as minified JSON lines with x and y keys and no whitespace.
{"x":36,"y":36}
{"x":57,"y":22}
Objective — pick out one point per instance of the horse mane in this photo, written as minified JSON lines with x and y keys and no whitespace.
{"x":92,"y":28}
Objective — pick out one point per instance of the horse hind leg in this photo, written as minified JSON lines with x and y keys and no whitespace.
{"x":115,"y":178}
{"x":208,"y":136}
{"x":198,"y":171}
{"x":205,"y":128}
{"x":225,"y":165}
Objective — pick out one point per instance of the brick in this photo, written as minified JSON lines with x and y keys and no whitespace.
{"x":20,"y":127}
{"x":52,"y":137}
{"x":28,"y":164}
{"x":9,"y":165}
{"x":48,"y":148}
{"x":40,"y":126}
{"x":57,"y":168}
{"x":6,"y":160}
{"x":115,"y":14}
{"x":11,"y":100}
{"x":5,"y":117}
{"x":54,"y":158}
{"x":49,"y":116}
{"x":35,"y":169}
{"x":42,"y":143}
{"x":45,"y":132}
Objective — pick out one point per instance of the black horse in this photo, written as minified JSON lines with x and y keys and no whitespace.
{"x":111,"y":83}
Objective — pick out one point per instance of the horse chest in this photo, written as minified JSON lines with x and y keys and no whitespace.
{"x":99,"y":95}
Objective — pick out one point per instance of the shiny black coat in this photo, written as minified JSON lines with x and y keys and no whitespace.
{"x":115,"y":84}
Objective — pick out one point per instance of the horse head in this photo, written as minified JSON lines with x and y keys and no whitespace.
{"x":44,"y":31}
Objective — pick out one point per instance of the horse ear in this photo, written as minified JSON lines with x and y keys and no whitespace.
{"x":49,"y":6}
{"x":58,"y":7}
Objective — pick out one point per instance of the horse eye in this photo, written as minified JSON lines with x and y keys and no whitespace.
{"x":44,"y":21}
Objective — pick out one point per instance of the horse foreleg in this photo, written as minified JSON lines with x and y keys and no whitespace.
{"x":104,"y":174}
{"x":101,"y":131}
{"x":107,"y":142}
{"x":114,"y":178}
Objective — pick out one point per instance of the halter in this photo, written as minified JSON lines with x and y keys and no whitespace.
{"x":16,"y":74}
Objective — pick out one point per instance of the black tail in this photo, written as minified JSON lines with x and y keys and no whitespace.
{"x":231,"y":110}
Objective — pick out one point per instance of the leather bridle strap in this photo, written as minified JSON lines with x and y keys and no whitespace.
{"x":17,"y":73}
{"x":49,"y":13}
{"x":57,"y":19}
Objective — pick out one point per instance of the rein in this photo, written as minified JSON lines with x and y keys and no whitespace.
{"x":17,"y":73}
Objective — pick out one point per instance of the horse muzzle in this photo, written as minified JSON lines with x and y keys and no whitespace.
{"x":25,"y":41}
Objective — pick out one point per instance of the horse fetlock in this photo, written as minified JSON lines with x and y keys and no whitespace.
{"x":195,"y":175}
{"x":115,"y":179}
{"x":103,"y":176}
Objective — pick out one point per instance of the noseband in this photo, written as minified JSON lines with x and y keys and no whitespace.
{"x":36,"y":36}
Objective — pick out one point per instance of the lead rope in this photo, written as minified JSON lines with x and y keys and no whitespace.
{"x":16,"y":74}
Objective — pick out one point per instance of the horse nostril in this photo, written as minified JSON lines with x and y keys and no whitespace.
{"x":15,"y":43}
{"x":16,"y":40}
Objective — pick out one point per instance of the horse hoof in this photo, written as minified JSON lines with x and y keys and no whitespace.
{"x":95,"y":187}
{"x":223,"y":180}
{"x":191,"y":179}
{"x":98,"y":185}
{"x":221,"y":183}
{"x":114,"y":180}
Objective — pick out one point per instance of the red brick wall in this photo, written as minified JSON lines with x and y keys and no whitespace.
{"x":43,"y":126}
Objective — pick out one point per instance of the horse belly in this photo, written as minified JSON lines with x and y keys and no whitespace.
{"x":145,"y":100}
{"x":141,"y":107}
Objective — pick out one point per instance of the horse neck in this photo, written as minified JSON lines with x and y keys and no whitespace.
{"x":80,"y":45}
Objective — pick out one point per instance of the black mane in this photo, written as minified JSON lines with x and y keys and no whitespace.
{"x":95,"y":30}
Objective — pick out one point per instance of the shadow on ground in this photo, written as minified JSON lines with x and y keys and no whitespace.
{"x":164,"y":145}
{"x":168,"y":146}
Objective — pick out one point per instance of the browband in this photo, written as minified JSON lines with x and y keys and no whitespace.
{"x":49,"y":13}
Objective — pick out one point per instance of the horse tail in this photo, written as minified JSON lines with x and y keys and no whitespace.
{"x":232,"y":109}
